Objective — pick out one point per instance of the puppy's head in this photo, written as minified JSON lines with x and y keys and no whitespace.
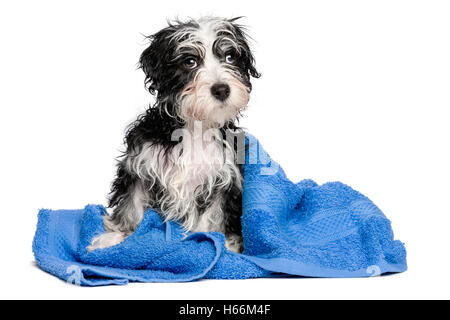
{"x":200,"y":70}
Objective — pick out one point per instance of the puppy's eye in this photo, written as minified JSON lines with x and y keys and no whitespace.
{"x":190,"y":63}
{"x":230,"y":58}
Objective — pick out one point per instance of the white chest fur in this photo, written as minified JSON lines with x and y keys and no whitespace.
{"x":193,"y":170}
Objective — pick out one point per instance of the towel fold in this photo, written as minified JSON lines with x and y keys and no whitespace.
{"x":288,"y":229}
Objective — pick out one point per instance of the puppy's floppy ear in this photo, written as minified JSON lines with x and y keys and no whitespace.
{"x":154,"y":58}
{"x":248,"y":59}
{"x":251,"y":67}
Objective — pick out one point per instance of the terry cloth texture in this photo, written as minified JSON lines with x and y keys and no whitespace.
{"x":289,"y":229}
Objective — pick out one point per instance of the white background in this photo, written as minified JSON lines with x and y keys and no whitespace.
{"x":355,"y":91}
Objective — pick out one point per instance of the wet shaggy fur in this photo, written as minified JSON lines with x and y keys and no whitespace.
{"x":179,"y":157}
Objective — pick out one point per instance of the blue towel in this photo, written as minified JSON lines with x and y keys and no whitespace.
{"x":288,"y":229}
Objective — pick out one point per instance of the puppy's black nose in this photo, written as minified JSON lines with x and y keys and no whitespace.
{"x":220,"y":91}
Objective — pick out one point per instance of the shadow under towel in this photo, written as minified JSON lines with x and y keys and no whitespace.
{"x":288,"y":229}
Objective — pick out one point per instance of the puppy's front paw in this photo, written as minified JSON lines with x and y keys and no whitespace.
{"x":106,"y":240}
{"x":234,"y":243}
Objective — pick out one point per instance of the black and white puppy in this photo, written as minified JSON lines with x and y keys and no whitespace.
{"x":177,"y":160}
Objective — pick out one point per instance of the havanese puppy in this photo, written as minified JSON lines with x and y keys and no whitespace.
{"x":181,"y":155}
